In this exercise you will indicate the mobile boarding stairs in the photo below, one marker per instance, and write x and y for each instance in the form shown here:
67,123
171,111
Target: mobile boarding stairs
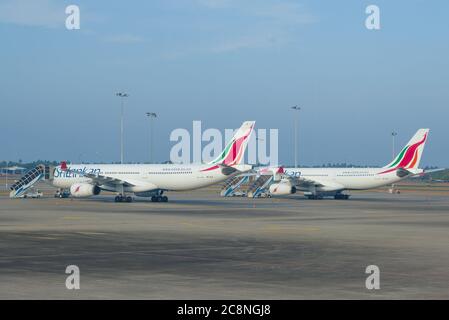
30,178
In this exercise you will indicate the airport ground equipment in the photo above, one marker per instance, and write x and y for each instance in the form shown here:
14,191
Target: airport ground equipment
232,185
30,178
260,186
62,193
35,194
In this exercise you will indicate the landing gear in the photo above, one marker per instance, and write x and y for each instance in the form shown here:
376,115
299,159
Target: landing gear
159,199
393,190
122,198
320,196
158,196
341,196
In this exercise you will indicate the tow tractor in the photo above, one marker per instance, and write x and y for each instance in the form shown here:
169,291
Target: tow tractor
32,194
62,193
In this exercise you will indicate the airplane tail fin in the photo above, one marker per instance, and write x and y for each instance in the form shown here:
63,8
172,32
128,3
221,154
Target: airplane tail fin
234,152
410,155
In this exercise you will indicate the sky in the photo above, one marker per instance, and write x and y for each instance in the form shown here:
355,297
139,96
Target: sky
223,62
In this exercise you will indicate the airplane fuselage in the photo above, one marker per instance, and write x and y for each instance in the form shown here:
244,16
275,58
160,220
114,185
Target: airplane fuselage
144,177
339,179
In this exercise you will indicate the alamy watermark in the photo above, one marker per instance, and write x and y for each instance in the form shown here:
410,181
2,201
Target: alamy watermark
205,146
373,280
73,20
72,282
372,22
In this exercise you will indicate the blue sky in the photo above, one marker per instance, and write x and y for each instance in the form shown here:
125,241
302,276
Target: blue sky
222,62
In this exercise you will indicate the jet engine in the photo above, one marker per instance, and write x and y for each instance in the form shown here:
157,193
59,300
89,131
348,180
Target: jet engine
282,188
80,190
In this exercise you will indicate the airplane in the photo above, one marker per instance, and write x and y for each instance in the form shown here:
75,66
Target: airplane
317,183
152,180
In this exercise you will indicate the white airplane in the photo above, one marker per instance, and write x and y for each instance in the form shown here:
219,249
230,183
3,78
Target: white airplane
317,183
152,180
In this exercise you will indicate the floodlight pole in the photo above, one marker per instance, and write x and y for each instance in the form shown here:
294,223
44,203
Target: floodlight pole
393,138
151,116
296,108
121,95
393,135
6,175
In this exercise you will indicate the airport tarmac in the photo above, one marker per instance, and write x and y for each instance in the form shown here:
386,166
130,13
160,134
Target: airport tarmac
202,246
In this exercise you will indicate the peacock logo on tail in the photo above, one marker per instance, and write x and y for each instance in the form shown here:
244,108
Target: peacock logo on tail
234,151
410,156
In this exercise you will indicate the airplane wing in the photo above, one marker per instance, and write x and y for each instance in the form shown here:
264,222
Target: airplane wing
425,172
312,184
228,170
252,173
305,183
280,174
98,178
433,170
101,180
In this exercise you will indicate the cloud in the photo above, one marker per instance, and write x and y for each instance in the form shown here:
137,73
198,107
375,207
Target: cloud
43,13
222,46
215,3
261,24
124,38
249,42
285,11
